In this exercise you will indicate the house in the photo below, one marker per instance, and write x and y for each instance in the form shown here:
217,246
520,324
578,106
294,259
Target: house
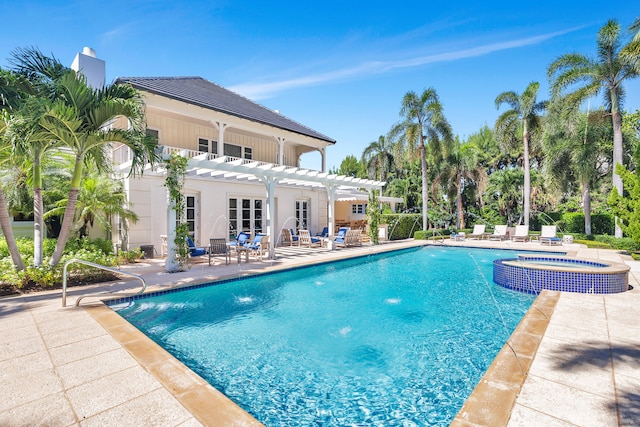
244,166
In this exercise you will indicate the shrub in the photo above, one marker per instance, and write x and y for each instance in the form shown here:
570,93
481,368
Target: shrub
402,226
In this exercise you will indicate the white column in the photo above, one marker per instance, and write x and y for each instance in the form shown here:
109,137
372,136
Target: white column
280,150
331,193
270,184
221,128
323,152
171,263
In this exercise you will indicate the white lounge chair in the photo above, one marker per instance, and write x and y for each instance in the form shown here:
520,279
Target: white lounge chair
307,240
548,235
521,234
499,233
478,232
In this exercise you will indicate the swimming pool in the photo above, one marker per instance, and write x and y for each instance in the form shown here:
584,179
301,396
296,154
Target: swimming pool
398,338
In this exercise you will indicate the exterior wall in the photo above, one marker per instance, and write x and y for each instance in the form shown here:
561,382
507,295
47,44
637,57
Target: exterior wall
149,199
177,131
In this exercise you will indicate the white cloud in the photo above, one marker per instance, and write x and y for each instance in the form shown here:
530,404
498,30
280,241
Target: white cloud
268,89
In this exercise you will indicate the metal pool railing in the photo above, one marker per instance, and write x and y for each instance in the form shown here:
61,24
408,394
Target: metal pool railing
102,267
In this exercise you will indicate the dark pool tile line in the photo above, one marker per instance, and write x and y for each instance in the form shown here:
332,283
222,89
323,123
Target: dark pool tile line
562,260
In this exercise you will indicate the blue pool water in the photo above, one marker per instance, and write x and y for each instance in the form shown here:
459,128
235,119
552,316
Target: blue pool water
394,339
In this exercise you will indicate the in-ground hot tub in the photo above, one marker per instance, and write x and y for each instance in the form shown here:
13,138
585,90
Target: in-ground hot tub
533,273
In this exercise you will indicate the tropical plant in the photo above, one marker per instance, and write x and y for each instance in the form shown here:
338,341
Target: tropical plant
504,193
520,121
373,216
575,77
462,170
176,166
626,207
424,125
80,120
377,158
574,144
100,199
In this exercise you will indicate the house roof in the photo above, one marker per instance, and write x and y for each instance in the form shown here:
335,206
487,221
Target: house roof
206,94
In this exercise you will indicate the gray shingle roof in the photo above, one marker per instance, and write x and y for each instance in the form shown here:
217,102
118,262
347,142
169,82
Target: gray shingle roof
201,92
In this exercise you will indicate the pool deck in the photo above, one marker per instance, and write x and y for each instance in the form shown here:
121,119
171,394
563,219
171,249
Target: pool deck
86,366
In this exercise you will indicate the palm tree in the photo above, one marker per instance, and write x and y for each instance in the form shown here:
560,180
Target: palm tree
631,52
524,116
424,125
605,73
5,221
100,199
80,120
503,192
378,158
29,88
461,170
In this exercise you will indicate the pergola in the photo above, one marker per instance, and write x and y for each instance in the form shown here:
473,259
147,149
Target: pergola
271,175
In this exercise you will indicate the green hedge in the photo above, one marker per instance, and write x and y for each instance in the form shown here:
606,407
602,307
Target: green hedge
573,222
402,226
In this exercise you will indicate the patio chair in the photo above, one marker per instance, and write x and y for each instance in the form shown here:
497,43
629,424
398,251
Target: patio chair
478,232
307,240
499,233
241,240
258,246
325,233
193,250
548,235
341,236
285,237
459,236
218,246
521,234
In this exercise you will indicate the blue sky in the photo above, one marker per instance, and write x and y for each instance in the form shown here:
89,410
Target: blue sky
338,67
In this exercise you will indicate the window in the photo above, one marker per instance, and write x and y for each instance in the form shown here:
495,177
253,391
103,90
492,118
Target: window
207,145
248,153
302,214
245,215
232,150
20,217
359,209
203,145
153,133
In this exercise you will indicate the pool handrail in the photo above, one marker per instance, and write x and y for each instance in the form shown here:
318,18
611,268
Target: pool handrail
102,267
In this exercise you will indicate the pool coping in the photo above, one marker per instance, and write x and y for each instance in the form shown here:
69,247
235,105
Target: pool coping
490,403
494,397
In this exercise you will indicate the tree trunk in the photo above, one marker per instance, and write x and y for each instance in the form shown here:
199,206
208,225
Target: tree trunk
38,212
5,223
460,212
527,176
616,118
69,212
425,193
586,206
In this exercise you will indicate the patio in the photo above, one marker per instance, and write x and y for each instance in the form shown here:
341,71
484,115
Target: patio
82,366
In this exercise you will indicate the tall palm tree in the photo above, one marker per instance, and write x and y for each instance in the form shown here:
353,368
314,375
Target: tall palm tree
605,73
523,115
378,158
80,120
30,88
424,125
631,52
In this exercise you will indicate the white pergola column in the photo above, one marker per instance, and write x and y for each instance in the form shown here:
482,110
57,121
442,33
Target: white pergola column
270,184
331,193
280,141
171,263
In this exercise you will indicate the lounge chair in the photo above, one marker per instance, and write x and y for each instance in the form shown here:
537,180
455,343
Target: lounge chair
478,232
499,233
241,240
218,246
193,250
307,240
325,233
459,236
521,234
548,235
